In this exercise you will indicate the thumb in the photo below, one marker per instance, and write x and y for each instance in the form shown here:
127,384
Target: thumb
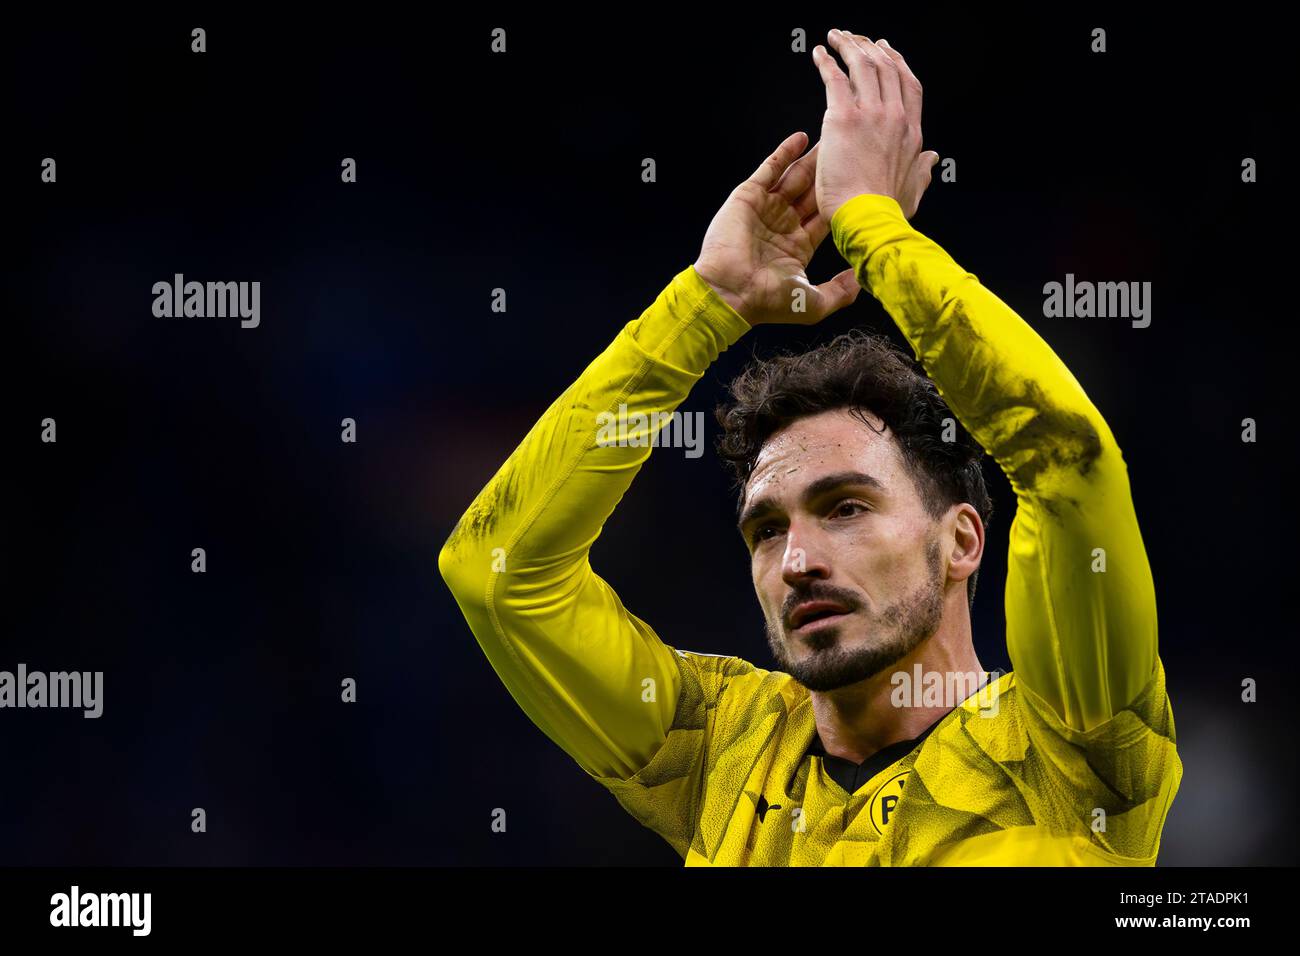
924,164
834,294
921,178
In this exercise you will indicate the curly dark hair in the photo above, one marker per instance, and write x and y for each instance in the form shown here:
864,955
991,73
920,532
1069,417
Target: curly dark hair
858,370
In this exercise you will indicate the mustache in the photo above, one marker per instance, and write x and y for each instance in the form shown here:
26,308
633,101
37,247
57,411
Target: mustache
818,591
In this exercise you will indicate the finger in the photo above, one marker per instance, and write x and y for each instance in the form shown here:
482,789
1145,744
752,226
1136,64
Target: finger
839,92
816,227
891,90
771,168
862,66
922,172
923,166
800,177
834,294
805,207
909,84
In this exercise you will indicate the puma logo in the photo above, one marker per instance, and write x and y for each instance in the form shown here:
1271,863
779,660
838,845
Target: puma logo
764,806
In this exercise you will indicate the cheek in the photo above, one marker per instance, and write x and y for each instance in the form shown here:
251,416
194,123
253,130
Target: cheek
769,585
881,556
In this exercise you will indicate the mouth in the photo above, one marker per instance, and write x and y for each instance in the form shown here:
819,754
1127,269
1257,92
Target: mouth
814,615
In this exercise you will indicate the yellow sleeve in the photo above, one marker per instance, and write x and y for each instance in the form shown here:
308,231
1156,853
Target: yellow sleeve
1082,641
572,656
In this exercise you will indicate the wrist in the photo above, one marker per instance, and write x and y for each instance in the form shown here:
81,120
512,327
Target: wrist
732,298
862,192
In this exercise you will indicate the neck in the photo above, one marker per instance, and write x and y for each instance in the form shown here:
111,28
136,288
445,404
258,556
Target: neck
856,721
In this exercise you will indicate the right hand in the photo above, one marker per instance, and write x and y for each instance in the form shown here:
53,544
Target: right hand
759,244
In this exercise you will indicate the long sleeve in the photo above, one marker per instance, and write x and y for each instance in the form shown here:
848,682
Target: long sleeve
576,661
1083,641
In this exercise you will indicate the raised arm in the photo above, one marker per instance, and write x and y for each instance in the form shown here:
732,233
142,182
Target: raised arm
1082,640
517,562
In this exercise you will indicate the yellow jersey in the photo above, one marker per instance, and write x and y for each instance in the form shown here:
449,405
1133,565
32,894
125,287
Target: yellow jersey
1070,759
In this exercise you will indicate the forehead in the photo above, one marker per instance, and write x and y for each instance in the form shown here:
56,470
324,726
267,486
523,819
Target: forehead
823,444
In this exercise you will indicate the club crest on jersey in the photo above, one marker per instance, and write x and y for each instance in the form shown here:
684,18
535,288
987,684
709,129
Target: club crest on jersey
884,802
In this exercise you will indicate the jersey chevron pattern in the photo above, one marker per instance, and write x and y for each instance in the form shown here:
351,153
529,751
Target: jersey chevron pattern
1068,760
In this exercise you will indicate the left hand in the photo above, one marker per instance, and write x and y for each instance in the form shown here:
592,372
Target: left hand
871,132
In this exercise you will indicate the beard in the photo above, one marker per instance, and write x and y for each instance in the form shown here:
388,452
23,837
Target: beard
902,628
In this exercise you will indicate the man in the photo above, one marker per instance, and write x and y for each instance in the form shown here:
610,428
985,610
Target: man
864,511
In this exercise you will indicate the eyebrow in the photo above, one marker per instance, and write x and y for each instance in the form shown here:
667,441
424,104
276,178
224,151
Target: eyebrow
765,506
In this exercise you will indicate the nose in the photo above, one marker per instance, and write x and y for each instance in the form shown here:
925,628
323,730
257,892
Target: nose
804,557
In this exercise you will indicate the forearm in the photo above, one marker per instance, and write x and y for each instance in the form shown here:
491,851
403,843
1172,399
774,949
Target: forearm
1002,381
546,505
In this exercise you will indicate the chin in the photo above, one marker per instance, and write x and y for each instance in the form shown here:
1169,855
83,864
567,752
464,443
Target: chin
833,660
828,637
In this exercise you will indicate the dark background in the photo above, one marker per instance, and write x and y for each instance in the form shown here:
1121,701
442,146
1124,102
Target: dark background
522,171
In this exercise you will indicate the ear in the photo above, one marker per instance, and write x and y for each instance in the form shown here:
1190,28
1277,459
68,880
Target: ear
967,548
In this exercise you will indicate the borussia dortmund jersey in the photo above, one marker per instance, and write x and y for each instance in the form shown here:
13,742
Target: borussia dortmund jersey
1068,760
741,780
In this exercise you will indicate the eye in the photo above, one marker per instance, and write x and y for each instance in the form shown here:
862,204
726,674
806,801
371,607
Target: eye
848,508
761,534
